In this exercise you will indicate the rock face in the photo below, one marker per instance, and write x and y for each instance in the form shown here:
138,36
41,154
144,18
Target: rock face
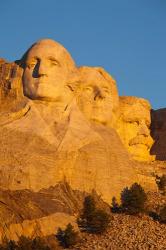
10,86
97,95
134,127
12,100
57,125
35,214
32,214
85,155
159,134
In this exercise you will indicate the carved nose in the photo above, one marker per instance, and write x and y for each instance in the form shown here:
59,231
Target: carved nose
41,69
143,129
98,94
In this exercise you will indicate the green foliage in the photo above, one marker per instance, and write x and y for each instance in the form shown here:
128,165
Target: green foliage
35,244
99,221
161,183
92,219
115,208
25,244
133,199
67,237
88,207
11,245
162,215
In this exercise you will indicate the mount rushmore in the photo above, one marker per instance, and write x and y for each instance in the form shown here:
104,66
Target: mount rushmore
60,123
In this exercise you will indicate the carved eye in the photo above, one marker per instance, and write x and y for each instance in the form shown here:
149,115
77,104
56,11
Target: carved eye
88,89
54,62
134,122
106,91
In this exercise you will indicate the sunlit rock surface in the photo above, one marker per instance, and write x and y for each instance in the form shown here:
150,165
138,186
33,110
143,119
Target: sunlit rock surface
59,124
133,127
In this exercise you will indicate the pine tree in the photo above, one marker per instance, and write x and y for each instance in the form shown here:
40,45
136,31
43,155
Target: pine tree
67,237
133,199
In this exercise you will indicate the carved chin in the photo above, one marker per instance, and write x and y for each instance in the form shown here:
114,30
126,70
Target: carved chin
100,115
99,118
141,153
46,94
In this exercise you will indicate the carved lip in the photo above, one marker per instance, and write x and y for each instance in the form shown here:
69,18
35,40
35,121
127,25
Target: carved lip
98,107
140,144
139,141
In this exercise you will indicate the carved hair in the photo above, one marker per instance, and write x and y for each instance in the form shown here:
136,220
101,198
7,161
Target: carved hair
69,62
132,100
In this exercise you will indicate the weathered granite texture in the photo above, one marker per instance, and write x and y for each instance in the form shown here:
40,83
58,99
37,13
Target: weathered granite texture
97,95
32,214
11,91
58,123
133,127
158,131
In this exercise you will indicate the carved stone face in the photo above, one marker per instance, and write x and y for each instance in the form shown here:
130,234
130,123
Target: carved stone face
96,93
134,127
47,68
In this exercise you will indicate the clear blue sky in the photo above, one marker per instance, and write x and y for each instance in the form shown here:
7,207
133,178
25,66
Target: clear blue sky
126,37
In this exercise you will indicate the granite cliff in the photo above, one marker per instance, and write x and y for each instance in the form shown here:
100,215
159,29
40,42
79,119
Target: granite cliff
62,130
